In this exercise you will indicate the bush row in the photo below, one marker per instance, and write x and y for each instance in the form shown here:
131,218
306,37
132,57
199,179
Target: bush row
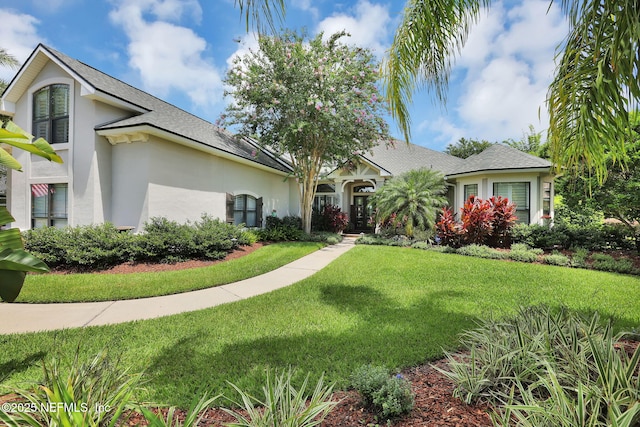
593,237
579,258
102,246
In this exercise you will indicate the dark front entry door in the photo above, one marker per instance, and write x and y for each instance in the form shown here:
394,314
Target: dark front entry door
361,213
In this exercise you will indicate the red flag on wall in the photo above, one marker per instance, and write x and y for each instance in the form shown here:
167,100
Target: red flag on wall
40,190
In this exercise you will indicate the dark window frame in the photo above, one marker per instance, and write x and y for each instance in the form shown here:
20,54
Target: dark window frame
49,215
519,210
232,210
51,121
469,186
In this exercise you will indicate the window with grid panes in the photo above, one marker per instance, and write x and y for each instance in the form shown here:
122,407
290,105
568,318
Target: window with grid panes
51,113
518,194
49,204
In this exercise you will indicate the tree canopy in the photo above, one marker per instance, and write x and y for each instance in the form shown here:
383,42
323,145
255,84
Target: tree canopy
314,100
467,147
596,82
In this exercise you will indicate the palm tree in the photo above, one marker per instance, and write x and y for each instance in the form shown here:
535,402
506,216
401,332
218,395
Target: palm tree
262,14
415,196
7,60
596,82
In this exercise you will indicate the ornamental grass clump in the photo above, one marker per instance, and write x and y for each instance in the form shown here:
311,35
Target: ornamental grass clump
94,393
283,405
549,368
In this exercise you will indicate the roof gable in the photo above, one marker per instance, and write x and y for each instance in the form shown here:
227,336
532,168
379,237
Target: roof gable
146,111
402,157
500,157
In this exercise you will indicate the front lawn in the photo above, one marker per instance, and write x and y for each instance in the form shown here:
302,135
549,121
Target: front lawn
382,305
109,287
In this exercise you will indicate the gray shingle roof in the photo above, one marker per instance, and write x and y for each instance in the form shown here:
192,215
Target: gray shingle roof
403,157
164,116
500,157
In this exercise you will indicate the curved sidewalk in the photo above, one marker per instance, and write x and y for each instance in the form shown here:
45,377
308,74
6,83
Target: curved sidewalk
19,318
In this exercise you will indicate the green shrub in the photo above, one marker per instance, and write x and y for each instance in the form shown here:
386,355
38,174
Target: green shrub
423,245
50,244
82,248
481,251
277,229
556,259
163,240
522,253
579,258
373,240
390,396
605,262
592,236
95,247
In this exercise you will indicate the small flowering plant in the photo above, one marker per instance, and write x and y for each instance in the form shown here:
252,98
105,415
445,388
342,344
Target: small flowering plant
334,219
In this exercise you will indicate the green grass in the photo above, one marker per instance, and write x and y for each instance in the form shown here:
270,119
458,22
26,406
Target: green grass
386,306
107,287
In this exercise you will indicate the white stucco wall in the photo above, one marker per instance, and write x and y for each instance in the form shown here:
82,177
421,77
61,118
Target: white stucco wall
128,183
157,178
485,189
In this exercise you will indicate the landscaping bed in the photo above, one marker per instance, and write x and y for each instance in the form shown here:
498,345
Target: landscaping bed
147,267
434,406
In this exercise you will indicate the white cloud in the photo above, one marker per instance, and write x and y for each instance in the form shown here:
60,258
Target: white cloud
307,6
504,71
169,57
19,36
368,26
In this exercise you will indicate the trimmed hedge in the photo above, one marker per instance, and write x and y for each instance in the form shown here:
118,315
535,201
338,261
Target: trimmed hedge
96,247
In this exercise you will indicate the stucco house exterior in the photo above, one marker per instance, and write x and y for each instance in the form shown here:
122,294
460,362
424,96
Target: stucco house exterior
129,156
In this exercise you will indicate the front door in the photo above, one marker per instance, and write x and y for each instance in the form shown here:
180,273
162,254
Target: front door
361,213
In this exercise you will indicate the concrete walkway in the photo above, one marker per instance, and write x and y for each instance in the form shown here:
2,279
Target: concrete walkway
19,318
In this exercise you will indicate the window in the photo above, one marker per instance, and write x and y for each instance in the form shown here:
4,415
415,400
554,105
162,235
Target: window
320,201
49,205
546,200
51,113
470,190
518,194
364,189
247,210
3,185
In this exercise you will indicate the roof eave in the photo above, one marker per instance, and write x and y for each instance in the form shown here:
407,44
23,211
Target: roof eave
541,169
126,134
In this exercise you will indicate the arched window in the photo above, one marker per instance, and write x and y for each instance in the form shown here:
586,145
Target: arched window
51,113
247,210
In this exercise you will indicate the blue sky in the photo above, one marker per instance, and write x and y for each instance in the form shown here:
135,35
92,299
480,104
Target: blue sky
179,50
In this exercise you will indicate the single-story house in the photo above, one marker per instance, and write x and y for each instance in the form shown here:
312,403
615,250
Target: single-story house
129,157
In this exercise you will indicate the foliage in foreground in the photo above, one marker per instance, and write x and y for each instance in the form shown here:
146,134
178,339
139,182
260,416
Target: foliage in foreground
93,393
283,404
549,369
100,393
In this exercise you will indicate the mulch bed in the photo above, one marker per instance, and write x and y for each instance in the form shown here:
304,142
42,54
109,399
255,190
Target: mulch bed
434,406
